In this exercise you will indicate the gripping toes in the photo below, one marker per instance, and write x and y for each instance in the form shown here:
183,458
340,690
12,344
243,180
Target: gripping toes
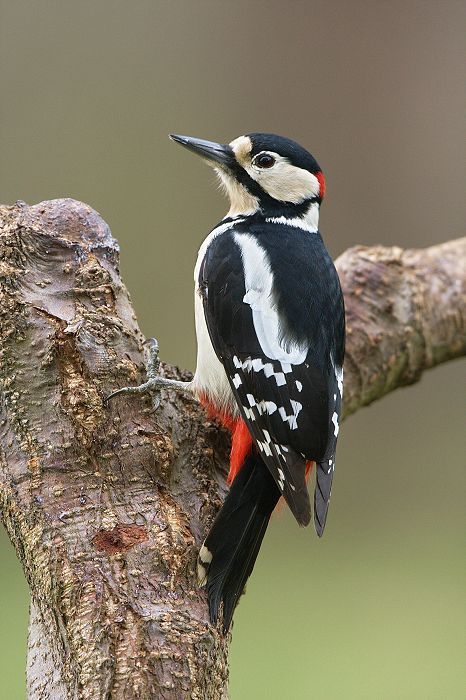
154,382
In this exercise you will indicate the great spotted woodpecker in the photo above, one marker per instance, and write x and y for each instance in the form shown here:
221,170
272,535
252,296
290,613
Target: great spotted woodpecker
270,327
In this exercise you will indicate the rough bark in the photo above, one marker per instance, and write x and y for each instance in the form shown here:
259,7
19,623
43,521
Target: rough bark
107,505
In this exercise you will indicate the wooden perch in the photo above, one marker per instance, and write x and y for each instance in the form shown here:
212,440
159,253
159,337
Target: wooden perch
107,505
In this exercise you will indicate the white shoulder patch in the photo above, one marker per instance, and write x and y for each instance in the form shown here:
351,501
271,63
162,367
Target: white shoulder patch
260,296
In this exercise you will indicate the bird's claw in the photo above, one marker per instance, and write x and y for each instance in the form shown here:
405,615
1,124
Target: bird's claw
152,385
154,381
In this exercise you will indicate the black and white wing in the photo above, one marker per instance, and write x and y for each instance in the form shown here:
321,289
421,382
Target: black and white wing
274,311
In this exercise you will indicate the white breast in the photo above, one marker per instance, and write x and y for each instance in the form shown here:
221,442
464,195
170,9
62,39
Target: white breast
210,378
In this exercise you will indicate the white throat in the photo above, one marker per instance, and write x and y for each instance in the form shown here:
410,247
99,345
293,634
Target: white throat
242,202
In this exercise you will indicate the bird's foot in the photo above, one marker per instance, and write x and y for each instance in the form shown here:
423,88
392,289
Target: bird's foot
154,382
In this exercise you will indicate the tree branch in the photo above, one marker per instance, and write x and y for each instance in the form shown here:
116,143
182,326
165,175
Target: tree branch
405,313
106,506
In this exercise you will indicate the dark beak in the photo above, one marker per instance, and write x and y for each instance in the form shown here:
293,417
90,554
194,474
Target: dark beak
214,153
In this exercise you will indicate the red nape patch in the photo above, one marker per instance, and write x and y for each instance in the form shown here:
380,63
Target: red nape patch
321,178
241,446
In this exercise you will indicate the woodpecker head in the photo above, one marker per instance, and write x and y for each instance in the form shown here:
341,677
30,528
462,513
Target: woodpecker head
264,173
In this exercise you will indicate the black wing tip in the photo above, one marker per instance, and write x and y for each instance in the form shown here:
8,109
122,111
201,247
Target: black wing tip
322,493
319,526
303,519
299,503
320,512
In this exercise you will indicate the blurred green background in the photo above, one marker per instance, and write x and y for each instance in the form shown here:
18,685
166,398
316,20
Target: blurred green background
88,93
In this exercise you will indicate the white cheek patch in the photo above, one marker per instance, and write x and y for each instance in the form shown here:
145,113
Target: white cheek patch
284,181
259,285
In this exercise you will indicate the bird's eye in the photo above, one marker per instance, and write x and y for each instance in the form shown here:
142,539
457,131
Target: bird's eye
264,160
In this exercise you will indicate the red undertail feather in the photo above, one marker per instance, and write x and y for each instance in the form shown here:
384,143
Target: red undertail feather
225,418
309,465
241,446
241,443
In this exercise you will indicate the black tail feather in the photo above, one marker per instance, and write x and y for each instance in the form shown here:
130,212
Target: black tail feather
229,552
234,586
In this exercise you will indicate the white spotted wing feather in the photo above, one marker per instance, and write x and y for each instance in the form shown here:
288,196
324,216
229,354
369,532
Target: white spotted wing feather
274,312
